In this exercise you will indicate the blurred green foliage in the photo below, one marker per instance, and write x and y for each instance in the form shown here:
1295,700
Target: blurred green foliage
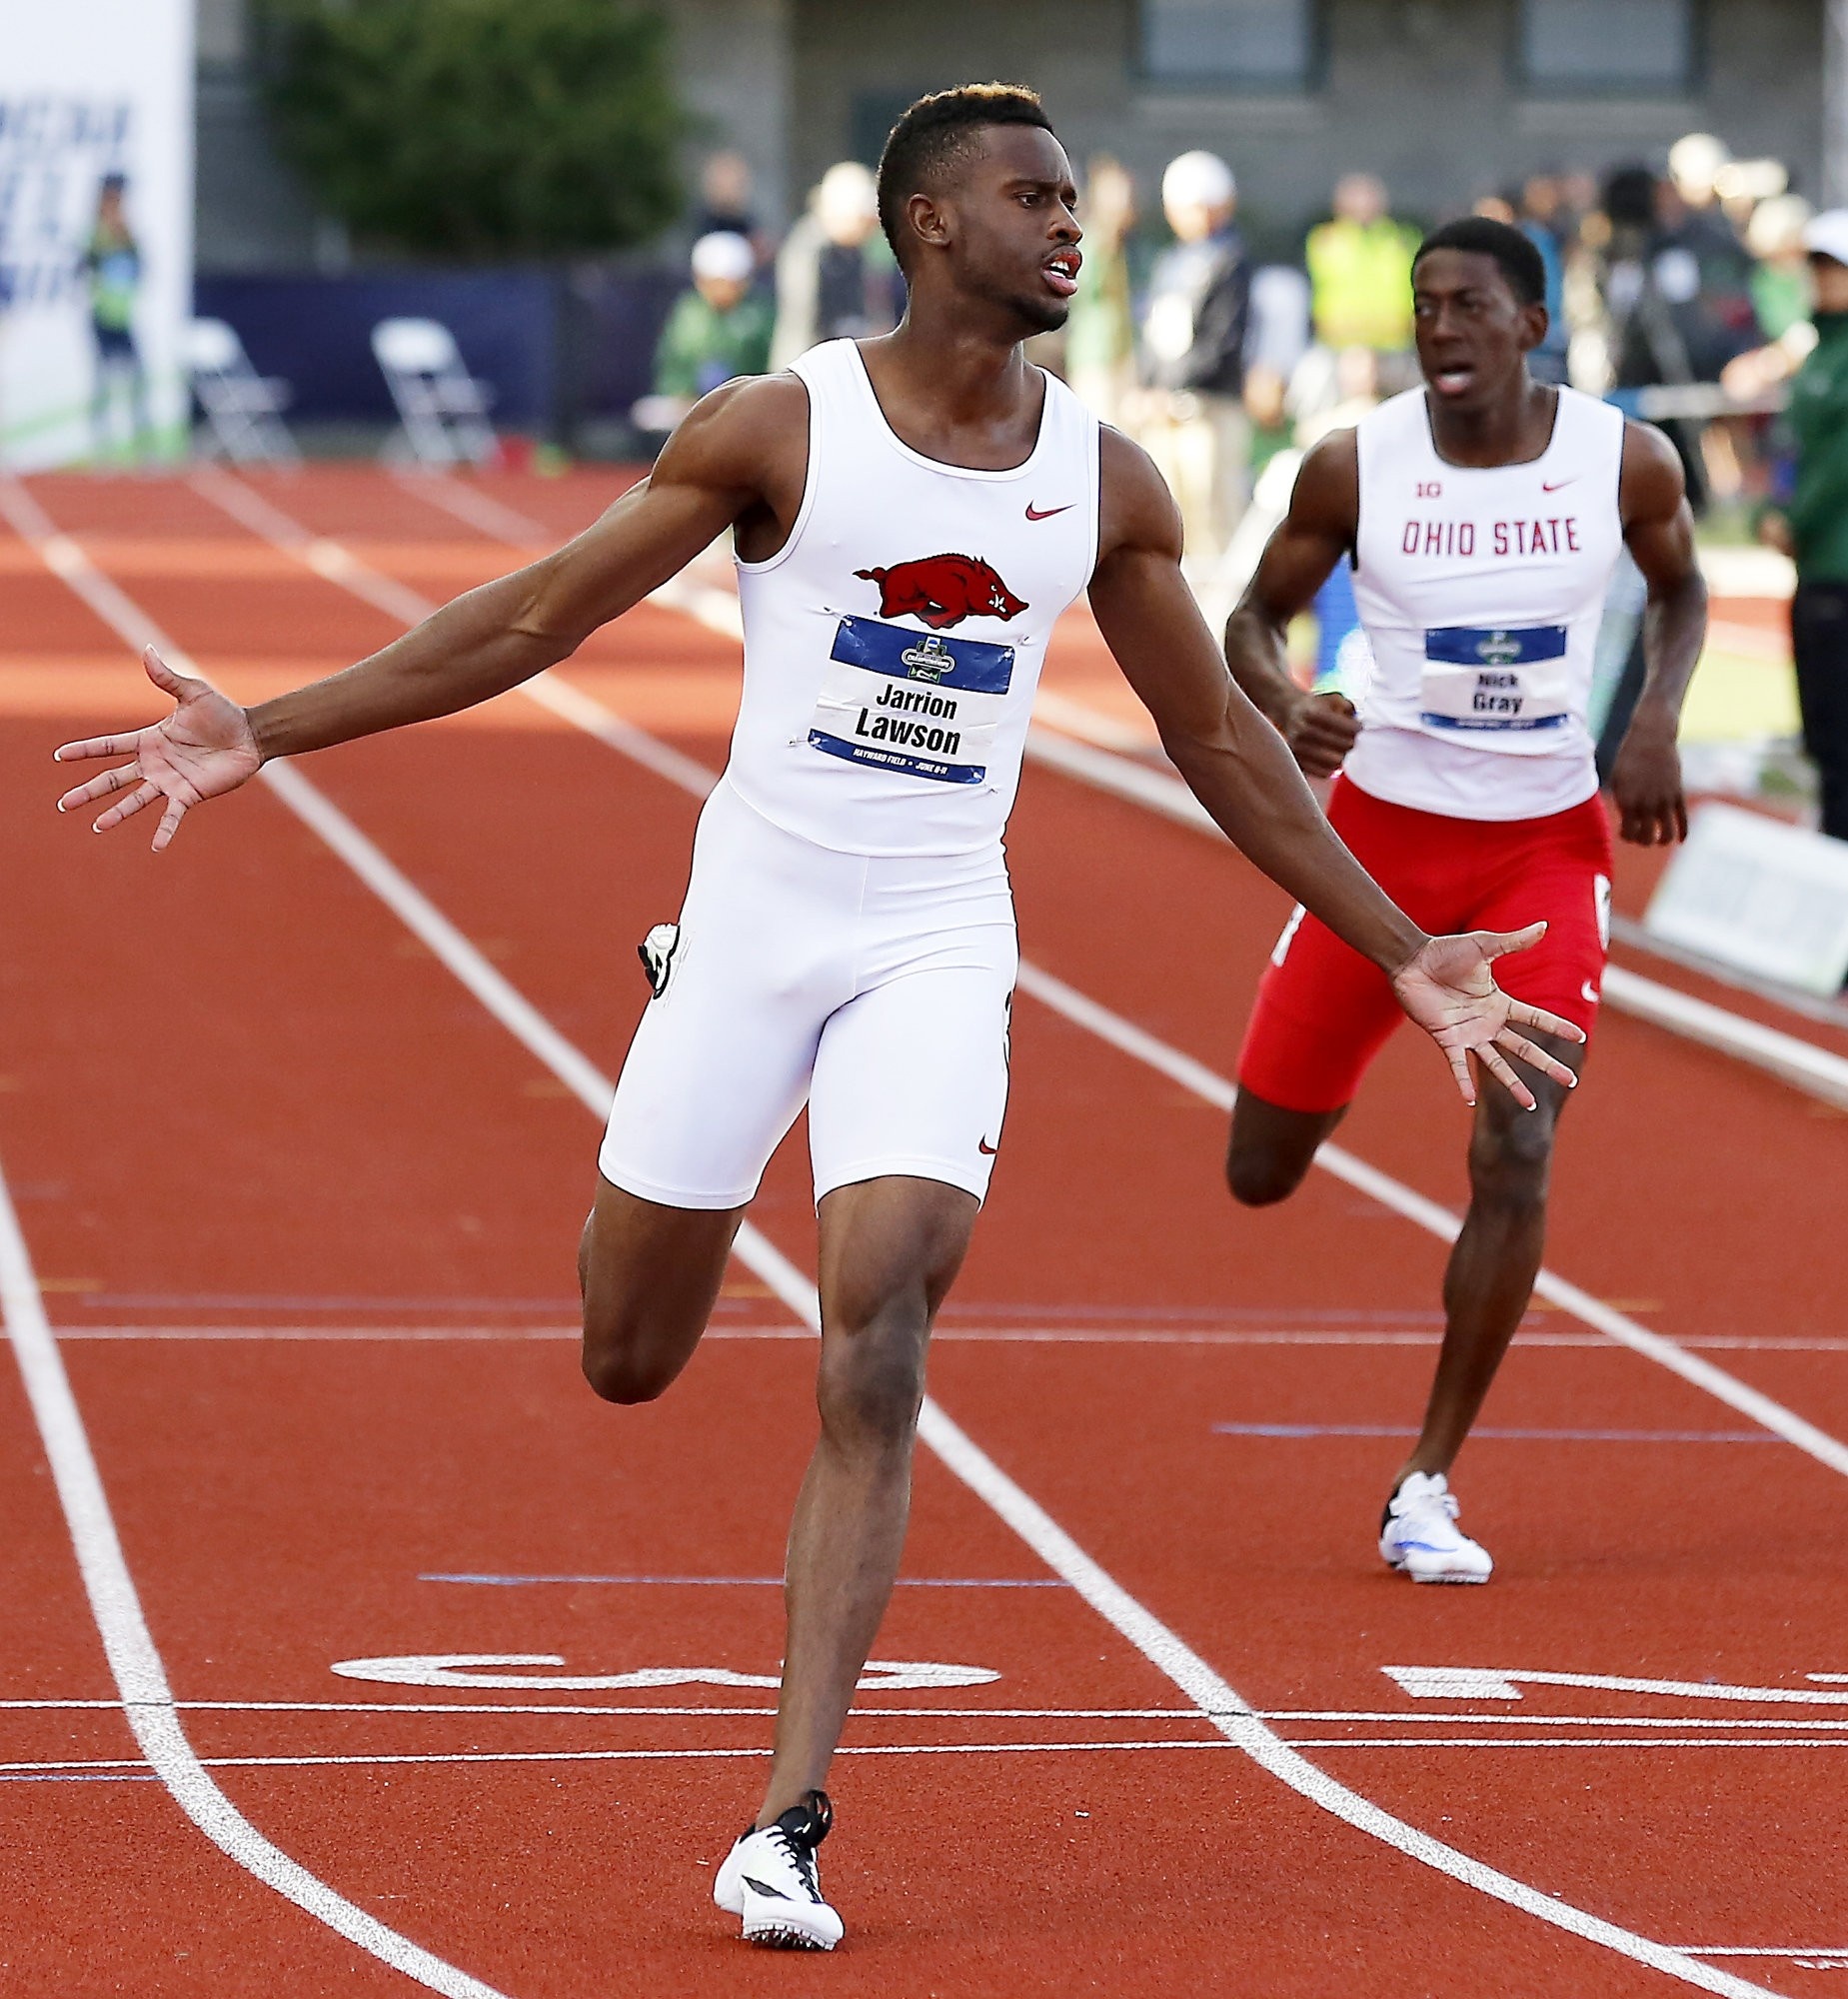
478,128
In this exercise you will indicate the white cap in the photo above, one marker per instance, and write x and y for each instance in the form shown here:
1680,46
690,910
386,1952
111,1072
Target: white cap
1777,224
1694,160
847,195
723,254
1198,180
1826,235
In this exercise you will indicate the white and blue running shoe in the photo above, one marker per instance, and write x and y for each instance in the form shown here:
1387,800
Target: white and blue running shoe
1419,1537
771,1879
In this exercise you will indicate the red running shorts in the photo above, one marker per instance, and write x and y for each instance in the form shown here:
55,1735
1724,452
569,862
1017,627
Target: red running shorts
1323,1012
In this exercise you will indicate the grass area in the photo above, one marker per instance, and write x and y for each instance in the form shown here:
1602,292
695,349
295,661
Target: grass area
1738,698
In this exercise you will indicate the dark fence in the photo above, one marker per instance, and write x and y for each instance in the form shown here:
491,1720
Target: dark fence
559,345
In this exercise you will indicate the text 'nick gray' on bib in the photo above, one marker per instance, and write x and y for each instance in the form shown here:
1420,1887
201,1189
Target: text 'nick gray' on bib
919,703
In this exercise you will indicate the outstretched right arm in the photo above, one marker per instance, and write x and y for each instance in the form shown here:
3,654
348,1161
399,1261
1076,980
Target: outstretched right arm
1314,535
737,455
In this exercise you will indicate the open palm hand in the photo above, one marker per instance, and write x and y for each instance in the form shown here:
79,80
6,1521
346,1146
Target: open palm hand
204,748
1449,991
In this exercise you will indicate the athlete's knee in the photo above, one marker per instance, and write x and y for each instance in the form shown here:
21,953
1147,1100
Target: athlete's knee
1510,1160
1261,1175
624,1371
871,1383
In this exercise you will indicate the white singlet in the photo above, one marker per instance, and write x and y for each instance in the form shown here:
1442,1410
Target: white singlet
1481,590
847,934
893,644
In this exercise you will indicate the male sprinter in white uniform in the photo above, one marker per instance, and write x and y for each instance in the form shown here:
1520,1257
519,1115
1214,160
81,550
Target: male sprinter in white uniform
1483,513
911,514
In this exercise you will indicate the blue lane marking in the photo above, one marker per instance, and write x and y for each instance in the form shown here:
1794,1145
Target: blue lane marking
758,1581
1534,1437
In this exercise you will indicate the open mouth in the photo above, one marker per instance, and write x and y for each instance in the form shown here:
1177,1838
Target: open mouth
1452,381
1062,272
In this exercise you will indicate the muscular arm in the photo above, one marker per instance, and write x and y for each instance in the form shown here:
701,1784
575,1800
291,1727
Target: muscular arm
1235,764
1315,535
730,456
1646,776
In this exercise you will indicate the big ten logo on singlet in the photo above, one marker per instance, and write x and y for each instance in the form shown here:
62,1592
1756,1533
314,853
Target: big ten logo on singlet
1484,678
919,703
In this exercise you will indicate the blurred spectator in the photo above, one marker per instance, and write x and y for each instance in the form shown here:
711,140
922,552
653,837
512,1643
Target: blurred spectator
1193,339
724,195
112,266
1812,527
717,329
1100,331
1780,278
835,275
1642,291
1541,220
1360,271
1276,342
1701,269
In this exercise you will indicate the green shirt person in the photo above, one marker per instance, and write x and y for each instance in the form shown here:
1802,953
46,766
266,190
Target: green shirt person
717,329
1360,271
1812,526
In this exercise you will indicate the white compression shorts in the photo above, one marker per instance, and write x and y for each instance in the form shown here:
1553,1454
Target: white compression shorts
876,987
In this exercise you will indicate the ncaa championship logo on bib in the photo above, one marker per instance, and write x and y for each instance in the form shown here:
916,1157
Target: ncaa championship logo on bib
927,705
1482,678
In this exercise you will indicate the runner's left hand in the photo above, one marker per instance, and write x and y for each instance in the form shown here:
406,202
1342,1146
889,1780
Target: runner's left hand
1645,782
1448,989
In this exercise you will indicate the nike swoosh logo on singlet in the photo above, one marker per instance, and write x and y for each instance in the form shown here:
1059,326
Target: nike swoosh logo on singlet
982,1146
1553,484
1038,514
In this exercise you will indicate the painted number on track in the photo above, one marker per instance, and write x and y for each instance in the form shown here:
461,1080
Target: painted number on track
496,1670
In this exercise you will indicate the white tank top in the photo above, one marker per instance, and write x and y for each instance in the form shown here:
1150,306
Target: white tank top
893,644
1481,590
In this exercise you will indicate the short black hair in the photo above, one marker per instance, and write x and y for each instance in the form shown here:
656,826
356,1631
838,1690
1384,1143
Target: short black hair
934,131
1520,261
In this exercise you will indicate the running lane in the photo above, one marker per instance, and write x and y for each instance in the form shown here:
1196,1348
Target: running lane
1115,1160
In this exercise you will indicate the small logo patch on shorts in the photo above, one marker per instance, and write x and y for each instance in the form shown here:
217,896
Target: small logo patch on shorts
657,952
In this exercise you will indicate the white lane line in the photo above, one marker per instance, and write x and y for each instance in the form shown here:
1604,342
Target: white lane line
74,1767
472,1711
136,1664
997,1335
1162,1647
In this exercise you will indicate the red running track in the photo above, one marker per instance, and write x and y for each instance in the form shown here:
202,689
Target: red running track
304,1214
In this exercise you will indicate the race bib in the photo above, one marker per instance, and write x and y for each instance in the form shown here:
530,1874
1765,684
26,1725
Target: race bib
919,702
1495,679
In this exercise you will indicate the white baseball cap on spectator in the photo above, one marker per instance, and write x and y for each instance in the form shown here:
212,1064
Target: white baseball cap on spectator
1694,163
723,254
1826,235
1198,180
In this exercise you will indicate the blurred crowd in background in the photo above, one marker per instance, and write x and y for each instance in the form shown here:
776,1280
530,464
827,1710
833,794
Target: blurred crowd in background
1692,273
1695,293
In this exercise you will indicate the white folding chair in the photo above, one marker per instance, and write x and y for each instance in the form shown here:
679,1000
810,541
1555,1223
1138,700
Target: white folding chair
442,407
242,409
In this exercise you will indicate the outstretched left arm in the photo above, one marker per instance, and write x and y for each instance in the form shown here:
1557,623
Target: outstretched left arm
1238,767
1645,779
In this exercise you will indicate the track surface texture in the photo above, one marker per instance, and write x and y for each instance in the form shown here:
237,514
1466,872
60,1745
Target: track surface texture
301,1213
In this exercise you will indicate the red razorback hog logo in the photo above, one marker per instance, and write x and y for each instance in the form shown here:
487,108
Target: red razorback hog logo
943,590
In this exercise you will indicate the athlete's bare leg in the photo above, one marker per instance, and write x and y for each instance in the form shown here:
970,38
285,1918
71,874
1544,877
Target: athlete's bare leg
650,1276
1489,1277
890,1250
1271,1149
